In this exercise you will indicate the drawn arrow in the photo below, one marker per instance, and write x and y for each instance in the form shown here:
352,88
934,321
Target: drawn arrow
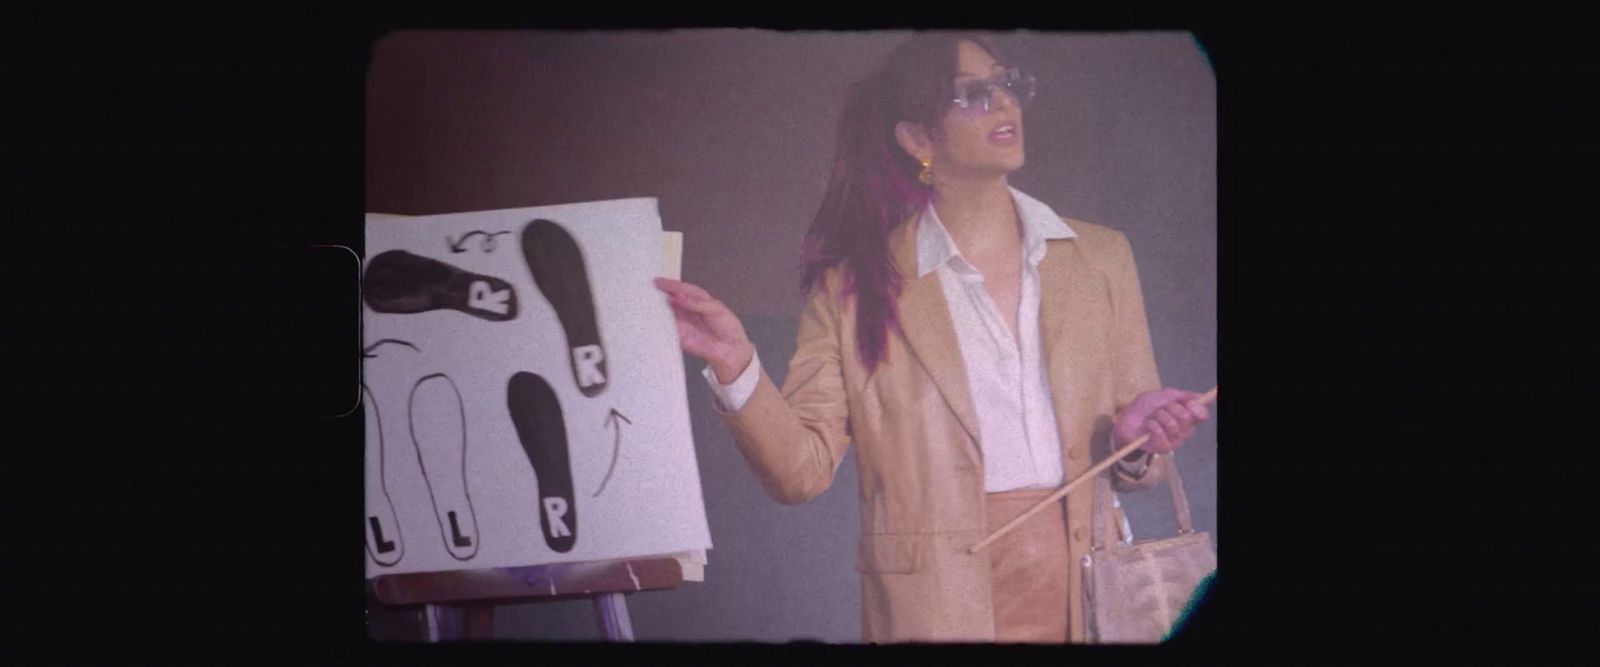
367,353
616,447
488,240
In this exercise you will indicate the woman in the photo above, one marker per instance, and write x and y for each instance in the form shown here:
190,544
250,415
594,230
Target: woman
973,344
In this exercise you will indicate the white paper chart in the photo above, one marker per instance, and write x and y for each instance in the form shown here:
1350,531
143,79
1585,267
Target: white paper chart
524,391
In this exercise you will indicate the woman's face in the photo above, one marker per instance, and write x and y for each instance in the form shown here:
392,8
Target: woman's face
973,143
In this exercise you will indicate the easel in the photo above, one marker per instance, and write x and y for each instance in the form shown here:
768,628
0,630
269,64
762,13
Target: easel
475,593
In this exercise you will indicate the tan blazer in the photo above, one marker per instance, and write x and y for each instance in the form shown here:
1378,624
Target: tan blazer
921,468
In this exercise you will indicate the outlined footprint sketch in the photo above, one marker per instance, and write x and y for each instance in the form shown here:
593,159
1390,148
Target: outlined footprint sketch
400,282
384,540
536,414
560,273
384,543
439,431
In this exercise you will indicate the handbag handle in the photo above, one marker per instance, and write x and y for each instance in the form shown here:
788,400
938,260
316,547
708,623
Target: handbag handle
1180,502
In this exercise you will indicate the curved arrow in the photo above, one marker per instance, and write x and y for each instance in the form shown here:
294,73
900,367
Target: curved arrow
616,447
367,353
488,240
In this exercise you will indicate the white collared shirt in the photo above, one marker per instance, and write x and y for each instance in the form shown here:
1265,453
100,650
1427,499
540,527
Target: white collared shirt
1006,377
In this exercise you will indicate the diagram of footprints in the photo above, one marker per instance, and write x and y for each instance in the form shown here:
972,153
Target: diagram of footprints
404,283
438,430
400,282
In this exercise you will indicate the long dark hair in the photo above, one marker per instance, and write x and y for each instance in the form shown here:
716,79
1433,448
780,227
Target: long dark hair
873,186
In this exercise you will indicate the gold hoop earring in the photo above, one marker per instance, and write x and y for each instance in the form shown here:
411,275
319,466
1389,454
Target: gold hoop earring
926,177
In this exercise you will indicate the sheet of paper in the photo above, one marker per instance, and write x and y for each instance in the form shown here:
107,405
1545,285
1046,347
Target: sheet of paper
524,391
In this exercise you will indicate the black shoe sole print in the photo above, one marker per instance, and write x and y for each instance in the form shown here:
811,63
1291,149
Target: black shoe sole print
383,529
400,282
439,430
561,275
536,413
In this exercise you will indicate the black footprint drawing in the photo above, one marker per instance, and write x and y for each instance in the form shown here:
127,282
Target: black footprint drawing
383,529
536,413
439,430
400,282
560,274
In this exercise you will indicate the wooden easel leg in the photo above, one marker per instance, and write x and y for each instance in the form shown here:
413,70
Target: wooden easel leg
480,621
387,623
443,625
612,611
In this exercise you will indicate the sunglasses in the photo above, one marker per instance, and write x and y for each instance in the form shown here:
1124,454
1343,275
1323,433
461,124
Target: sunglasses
975,98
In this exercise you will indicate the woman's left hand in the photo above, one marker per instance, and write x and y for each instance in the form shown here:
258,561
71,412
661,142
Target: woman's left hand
1169,415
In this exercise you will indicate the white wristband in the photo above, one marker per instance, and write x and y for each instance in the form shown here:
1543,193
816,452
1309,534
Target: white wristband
731,397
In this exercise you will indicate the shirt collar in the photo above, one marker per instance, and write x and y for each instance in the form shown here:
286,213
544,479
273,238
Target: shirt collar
1039,223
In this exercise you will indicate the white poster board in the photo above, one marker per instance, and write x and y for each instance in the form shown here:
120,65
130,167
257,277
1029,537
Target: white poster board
524,391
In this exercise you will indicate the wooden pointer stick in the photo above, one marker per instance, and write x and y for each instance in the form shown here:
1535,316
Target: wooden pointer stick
1203,399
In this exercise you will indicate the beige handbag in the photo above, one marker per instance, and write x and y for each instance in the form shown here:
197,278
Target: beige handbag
1133,593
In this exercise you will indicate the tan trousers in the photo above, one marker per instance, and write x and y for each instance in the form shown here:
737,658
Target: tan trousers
1029,566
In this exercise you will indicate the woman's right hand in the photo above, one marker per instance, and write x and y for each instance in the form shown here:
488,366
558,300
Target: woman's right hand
708,330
